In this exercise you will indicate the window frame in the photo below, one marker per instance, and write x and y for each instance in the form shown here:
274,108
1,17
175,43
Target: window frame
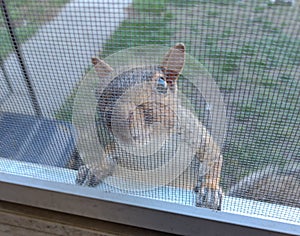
131,210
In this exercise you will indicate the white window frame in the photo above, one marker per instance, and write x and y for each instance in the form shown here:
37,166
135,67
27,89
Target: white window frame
50,193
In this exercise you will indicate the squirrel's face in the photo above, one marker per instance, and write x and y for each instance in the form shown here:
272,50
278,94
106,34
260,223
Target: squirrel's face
140,104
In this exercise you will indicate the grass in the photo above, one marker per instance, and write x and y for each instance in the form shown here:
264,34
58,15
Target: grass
151,31
151,6
66,110
253,57
26,16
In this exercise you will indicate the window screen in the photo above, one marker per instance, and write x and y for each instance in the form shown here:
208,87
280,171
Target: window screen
192,102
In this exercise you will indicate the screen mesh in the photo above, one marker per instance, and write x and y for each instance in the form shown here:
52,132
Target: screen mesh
193,102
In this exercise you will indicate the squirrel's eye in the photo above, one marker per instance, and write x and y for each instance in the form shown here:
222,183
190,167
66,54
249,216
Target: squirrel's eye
162,86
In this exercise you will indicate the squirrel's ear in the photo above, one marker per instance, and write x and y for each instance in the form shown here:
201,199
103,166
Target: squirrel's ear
101,67
174,61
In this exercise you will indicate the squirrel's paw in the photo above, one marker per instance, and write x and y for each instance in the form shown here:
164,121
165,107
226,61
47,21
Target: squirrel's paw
92,175
209,198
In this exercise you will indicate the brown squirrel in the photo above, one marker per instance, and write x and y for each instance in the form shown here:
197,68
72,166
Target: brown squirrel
142,121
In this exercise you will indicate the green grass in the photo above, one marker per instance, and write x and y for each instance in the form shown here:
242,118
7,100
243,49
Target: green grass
65,111
26,16
149,31
151,6
221,2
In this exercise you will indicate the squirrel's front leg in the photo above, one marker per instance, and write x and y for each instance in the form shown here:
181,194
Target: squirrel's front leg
209,192
94,173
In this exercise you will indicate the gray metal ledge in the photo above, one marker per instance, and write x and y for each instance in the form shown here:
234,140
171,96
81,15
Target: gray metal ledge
53,188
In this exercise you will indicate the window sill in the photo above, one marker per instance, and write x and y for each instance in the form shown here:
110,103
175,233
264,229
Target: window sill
53,188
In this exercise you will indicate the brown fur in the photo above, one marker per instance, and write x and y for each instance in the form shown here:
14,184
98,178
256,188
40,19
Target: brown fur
134,110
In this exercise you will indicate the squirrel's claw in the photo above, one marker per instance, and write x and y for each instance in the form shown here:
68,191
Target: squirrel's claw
92,175
87,176
209,198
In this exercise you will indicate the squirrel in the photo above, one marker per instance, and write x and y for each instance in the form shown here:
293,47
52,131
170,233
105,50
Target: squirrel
156,87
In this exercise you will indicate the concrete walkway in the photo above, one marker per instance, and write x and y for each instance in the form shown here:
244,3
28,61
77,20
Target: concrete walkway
59,54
